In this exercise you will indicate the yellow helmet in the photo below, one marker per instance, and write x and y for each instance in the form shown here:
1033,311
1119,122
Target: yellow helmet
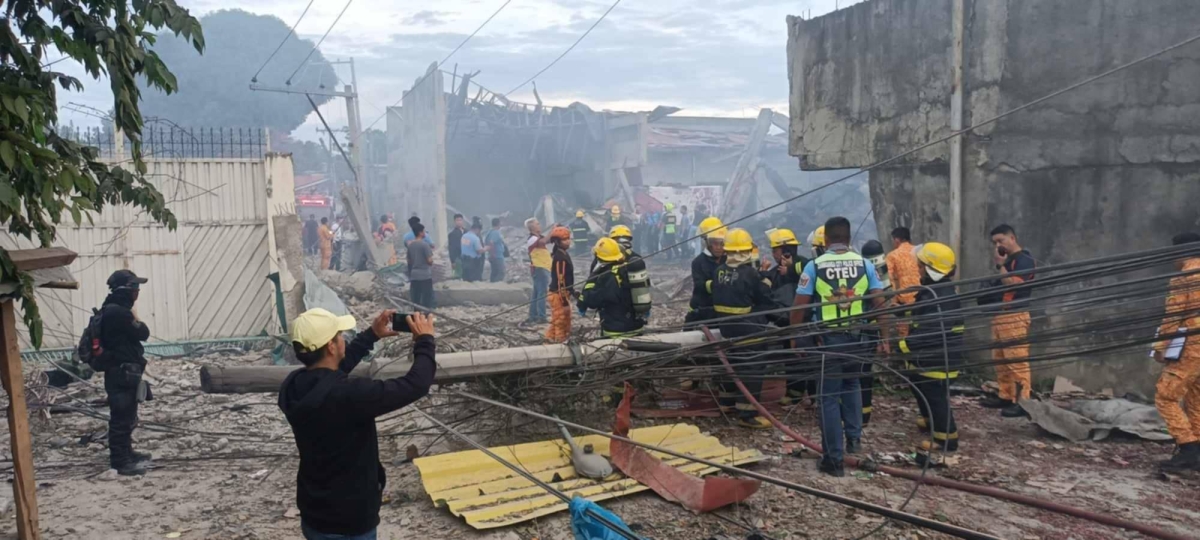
782,237
608,250
738,240
938,259
616,210
670,206
579,213
818,237
620,231
712,226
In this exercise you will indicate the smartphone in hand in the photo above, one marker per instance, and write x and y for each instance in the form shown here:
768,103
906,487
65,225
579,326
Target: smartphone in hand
400,322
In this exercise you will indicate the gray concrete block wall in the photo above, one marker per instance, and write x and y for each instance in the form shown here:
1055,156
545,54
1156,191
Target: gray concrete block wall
1109,168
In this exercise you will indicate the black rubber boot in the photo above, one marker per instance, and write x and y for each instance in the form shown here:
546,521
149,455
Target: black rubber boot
831,468
853,446
994,402
1187,457
1013,411
142,456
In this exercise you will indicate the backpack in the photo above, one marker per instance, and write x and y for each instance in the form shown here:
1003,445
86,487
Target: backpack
90,350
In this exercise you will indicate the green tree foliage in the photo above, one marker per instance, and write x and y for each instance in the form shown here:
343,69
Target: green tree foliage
215,90
44,175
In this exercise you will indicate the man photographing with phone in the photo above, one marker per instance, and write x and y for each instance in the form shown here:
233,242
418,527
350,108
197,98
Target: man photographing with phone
339,487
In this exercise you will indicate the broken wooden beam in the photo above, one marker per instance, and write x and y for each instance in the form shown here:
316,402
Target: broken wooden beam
37,259
24,484
452,367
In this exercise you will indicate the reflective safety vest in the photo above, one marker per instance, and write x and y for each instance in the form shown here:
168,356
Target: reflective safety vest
841,284
669,222
579,230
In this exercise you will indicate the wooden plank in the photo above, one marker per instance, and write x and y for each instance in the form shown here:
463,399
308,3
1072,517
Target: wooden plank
37,259
24,484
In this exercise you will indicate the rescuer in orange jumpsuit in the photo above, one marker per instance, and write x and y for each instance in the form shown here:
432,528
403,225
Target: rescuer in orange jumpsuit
1010,327
903,272
562,284
325,236
1180,378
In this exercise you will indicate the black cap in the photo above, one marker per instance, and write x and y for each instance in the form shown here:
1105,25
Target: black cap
872,249
125,279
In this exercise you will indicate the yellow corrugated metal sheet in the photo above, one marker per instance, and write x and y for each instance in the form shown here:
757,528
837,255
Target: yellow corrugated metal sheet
487,494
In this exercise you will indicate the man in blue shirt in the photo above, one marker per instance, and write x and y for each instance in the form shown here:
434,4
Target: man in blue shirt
410,235
838,280
496,251
472,253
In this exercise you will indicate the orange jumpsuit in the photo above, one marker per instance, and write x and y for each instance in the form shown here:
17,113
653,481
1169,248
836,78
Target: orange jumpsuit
902,268
1180,380
386,232
562,281
326,238
1012,327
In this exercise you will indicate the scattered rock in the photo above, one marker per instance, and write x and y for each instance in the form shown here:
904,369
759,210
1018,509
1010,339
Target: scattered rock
110,474
59,442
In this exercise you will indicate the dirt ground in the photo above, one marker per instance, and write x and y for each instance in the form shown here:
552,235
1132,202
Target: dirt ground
225,467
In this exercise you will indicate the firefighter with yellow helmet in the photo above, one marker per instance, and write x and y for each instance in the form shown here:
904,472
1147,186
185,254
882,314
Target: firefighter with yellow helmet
785,276
581,233
704,268
740,295
933,348
605,293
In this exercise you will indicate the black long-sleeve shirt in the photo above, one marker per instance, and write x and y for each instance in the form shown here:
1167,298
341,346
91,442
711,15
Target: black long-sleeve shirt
339,486
704,269
604,293
121,333
454,243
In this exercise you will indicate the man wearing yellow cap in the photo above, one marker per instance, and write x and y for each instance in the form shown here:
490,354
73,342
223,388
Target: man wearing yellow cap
340,482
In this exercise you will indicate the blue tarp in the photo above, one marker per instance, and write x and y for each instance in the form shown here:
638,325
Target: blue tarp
588,528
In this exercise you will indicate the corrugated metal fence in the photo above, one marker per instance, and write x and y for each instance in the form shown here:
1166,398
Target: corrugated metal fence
208,278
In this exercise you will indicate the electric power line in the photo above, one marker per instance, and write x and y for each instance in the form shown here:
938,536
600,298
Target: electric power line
291,31
317,45
569,49
440,64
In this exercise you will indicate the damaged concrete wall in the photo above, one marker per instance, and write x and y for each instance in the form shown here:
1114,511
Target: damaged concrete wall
417,155
1113,166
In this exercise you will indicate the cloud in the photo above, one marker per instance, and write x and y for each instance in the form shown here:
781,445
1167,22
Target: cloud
427,18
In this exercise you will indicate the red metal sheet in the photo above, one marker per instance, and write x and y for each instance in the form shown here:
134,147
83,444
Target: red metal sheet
696,494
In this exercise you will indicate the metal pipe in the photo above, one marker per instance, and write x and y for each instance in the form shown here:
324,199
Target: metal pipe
1026,500
913,519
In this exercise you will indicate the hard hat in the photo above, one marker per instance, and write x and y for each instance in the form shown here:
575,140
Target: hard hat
872,249
670,207
818,237
620,231
616,210
938,259
710,224
560,233
316,327
608,250
738,240
782,237
579,213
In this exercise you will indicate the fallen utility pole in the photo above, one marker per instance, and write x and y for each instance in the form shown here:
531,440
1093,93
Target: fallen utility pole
451,367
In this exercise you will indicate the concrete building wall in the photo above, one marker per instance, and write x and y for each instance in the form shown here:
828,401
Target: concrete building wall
1113,166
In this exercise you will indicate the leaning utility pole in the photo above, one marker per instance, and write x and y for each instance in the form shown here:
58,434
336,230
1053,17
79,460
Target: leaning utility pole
353,197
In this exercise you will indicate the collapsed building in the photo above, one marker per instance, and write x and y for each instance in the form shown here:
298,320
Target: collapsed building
456,147
1110,167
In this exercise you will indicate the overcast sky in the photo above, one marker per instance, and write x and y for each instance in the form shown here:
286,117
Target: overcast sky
710,57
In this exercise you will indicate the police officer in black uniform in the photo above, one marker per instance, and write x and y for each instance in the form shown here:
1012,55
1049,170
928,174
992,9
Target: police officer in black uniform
121,335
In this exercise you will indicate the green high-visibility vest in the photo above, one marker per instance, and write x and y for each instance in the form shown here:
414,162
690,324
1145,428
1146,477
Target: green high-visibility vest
841,280
669,224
